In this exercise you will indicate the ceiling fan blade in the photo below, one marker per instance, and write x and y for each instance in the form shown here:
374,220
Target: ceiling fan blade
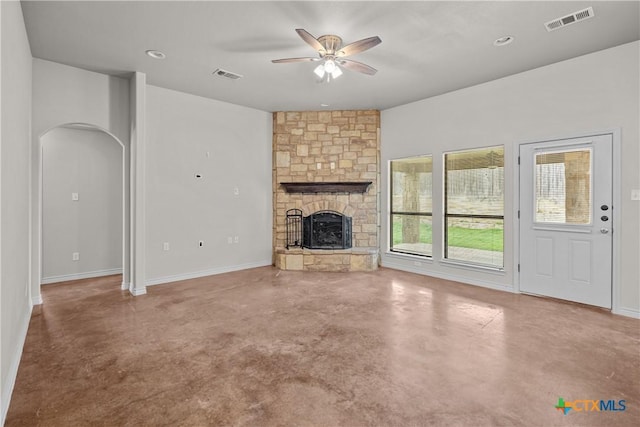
311,41
359,46
357,66
285,60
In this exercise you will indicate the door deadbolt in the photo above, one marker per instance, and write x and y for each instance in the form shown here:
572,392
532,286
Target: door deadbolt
604,207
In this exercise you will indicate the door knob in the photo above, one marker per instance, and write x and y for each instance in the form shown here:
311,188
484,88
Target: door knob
604,230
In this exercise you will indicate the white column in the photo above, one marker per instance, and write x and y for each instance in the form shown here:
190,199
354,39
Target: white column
137,285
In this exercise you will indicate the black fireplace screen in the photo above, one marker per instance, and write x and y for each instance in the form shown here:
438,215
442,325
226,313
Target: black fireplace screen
294,228
321,230
326,230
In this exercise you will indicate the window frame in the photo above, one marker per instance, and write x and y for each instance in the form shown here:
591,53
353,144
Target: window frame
406,213
446,215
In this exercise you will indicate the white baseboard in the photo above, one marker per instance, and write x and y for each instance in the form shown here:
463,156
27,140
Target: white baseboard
77,276
124,286
136,292
36,300
628,312
7,387
460,279
210,272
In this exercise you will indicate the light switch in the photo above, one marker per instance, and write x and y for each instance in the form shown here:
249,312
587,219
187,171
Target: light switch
635,194
75,197
319,165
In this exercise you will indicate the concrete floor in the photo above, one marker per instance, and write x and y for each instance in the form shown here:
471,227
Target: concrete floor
263,347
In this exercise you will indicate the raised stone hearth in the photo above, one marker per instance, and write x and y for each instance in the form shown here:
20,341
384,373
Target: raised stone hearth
354,259
327,161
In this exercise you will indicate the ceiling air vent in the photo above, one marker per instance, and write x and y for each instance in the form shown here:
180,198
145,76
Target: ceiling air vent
228,74
580,15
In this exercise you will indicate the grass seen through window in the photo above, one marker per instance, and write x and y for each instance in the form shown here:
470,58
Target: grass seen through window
489,239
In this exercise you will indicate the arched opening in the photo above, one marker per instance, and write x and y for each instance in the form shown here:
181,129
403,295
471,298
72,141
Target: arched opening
84,221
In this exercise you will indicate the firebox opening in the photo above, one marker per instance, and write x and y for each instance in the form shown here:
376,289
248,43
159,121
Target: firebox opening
326,230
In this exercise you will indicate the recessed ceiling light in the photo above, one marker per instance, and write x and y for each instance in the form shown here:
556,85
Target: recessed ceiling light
155,54
324,105
503,41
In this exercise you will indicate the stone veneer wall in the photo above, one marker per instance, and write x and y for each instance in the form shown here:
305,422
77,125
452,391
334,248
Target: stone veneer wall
345,144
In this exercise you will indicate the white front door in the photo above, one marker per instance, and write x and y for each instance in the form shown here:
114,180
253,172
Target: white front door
566,219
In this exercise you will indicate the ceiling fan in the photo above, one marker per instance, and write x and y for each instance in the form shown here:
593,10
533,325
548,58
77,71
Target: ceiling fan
332,54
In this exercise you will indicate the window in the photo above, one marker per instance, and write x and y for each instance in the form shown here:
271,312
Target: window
411,206
563,187
474,206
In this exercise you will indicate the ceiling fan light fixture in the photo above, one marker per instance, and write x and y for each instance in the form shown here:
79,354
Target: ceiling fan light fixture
329,66
319,70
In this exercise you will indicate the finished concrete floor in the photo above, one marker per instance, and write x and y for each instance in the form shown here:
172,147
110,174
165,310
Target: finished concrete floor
264,347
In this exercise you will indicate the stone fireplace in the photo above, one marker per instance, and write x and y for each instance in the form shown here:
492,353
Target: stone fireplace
326,166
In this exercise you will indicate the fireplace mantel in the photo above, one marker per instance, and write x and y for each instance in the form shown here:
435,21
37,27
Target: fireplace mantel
326,187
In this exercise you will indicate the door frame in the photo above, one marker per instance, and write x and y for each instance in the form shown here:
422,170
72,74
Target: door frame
615,211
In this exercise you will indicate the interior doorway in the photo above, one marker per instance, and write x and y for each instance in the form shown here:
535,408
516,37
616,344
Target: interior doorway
566,219
83,204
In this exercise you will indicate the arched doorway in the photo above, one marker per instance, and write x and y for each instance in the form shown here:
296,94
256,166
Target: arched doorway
84,221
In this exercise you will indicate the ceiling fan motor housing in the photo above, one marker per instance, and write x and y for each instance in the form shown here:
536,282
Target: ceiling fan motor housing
331,43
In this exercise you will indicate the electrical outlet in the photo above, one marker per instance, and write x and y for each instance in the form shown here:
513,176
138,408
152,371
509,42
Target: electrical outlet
236,191
236,239
333,165
229,240
75,197
75,256
165,246
635,194
318,165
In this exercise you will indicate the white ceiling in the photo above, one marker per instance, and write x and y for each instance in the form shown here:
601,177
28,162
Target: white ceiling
428,47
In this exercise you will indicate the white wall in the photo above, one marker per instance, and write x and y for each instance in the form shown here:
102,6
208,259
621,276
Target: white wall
89,163
591,93
180,129
15,124
62,95
181,209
